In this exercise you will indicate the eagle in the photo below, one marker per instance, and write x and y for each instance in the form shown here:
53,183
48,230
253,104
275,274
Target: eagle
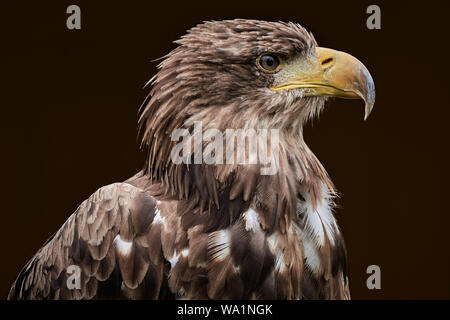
216,230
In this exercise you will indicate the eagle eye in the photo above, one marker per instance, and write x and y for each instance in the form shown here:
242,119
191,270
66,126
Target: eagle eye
268,62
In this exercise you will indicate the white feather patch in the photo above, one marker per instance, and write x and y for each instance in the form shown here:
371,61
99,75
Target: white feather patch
312,258
124,247
321,220
251,218
158,218
279,262
174,259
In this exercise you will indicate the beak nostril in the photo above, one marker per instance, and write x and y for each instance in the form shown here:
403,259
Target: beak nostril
327,61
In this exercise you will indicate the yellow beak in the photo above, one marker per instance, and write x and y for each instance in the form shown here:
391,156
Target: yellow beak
333,73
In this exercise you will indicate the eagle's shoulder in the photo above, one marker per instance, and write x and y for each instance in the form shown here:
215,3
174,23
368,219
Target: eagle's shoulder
108,240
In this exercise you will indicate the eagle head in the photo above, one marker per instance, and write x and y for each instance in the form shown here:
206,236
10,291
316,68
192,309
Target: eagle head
272,74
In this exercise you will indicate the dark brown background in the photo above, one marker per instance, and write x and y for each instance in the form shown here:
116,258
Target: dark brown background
70,98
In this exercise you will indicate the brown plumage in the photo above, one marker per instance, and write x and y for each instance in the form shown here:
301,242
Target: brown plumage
209,231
